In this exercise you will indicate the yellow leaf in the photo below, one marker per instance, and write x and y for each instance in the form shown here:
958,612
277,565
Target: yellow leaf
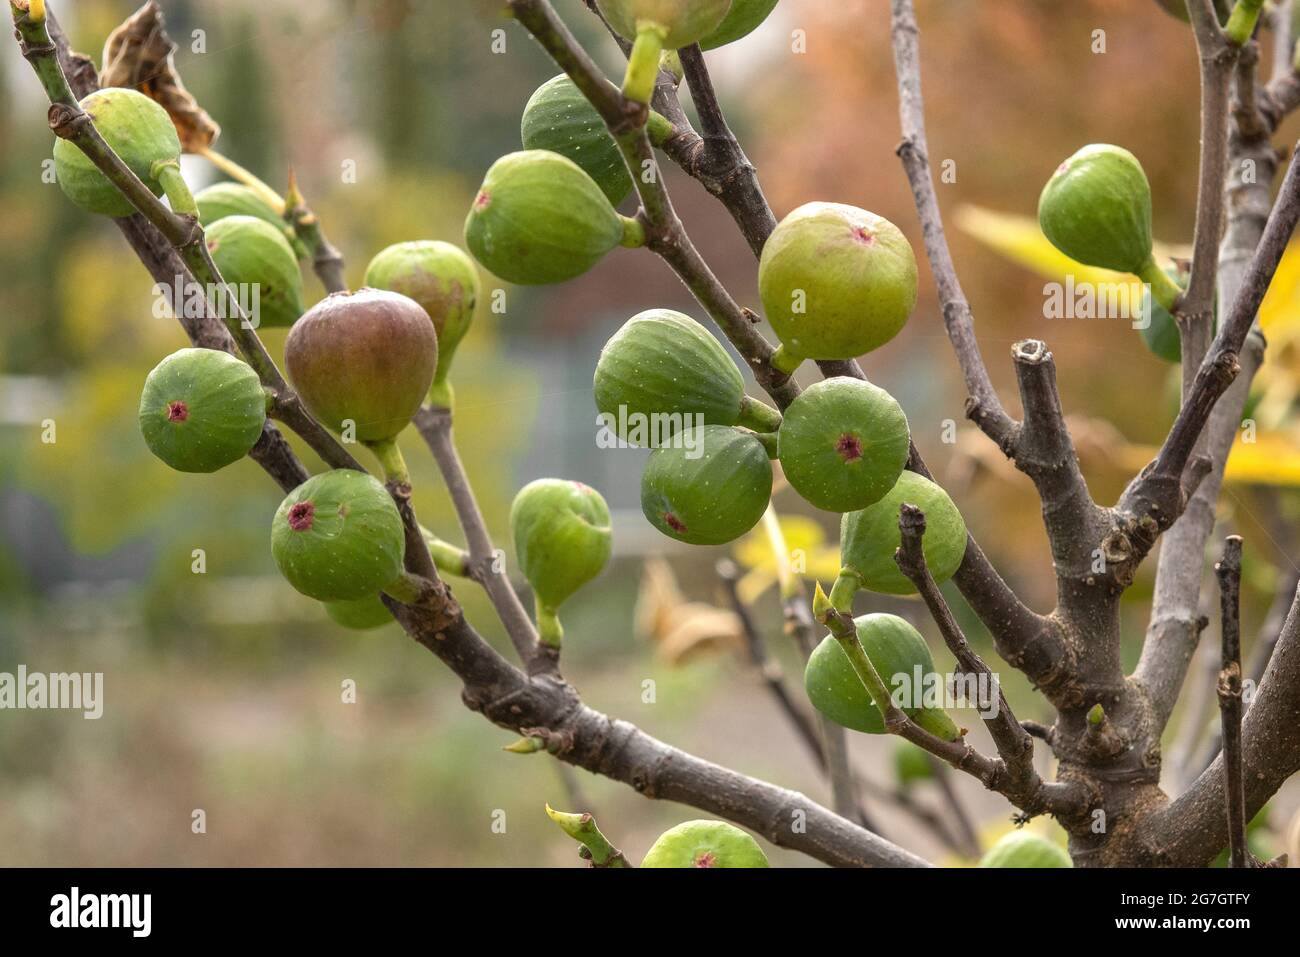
1272,459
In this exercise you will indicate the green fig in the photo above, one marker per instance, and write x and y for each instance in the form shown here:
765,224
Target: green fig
709,487
444,281
705,844
562,540
538,218
655,26
139,131
338,537
911,764
235,199
843,444
869,538
836,282
1096,209
252,253
661,371
744,17
895,648
1161,334
561,119
359,614
1023,849
201,409
365,358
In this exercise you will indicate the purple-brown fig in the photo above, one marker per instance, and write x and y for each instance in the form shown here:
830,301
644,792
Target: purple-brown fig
364,359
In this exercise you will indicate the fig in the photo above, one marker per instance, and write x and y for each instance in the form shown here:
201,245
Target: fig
895,648
709,487
338,537
251,252
911,764
744,17
655,26
1096,208
561,119
1022,849
235,199
664,367
365,357
705,844
1161,335
444,281
843,444
139,131
869,537
562,538
836,282
359,614
201,409
538,218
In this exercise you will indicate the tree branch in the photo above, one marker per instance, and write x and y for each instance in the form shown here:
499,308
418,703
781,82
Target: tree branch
1229,689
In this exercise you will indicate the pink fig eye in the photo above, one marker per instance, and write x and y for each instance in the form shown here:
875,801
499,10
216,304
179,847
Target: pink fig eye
849,447
675,523
301,515
481,200
177,411
864,237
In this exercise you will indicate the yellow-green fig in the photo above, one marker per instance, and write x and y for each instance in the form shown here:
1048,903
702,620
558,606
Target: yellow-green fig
705,844
235,199
744,17
655,26
1023,849
251,253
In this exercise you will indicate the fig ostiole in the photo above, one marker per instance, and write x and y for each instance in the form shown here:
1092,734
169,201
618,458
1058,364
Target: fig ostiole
362,363
562,537
142,134
256,259
445,282
744,17
236,199
836,282
657,25
869,538
1096,208
202,409
663,372
339,537
705,844
1023,850
709,486
843,444
539,218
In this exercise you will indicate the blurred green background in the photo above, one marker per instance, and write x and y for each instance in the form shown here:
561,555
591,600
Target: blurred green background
223,689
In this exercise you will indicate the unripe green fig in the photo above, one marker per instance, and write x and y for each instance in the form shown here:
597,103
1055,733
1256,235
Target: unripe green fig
444,281
1023,849
709,487
705,844
836,282
1096,208
338,537
1162,335
201,409
359,614
681,22
895,648
562,538
741,20
365,358
538,218
911,764
561,119
843,444
869,537
250,252
660,371
235,199
138,130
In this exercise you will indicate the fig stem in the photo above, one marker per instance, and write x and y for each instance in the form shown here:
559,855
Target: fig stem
177,191
660,128
391,461
1163,289
1241,22
549,630
758,416
441,394
447,558
633,233
783,360
407,588
842,592
768,440
643,62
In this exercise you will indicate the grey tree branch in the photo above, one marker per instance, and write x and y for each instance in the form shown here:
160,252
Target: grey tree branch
1228,570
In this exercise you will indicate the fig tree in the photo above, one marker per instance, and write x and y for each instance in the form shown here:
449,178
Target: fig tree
1023,849
869,537
444,281
561,119
235,199
705,844
843,444
661,370
201,409
1096,208
141,133
836,282
709,487
338,537
251,252
562,539
538,218
655,26
741,20
363,360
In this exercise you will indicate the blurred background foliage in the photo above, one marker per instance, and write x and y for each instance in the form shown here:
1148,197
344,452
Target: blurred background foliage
223,689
